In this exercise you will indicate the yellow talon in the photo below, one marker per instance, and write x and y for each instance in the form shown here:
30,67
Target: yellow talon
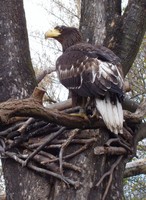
81,114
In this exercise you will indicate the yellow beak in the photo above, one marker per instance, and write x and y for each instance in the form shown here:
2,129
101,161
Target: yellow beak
52,33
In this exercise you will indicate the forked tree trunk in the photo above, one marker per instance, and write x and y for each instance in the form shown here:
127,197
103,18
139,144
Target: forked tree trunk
99,22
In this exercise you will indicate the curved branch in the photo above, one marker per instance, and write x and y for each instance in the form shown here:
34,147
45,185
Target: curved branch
135,168
32,107
141,133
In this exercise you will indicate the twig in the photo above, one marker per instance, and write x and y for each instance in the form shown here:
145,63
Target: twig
109,173
118,140
25,124
110,141
41,76
11,129
50,138
80,150
41,170
64,145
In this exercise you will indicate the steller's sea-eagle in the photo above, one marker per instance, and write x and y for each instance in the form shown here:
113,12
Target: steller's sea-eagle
90,71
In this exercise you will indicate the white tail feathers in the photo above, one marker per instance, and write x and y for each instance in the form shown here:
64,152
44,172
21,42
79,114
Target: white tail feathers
112,114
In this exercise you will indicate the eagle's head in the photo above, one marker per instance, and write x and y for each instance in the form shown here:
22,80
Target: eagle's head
67,36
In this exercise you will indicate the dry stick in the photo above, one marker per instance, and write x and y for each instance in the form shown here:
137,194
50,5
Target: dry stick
100,150
25,124
123,144
71,166
110,141
109,173
57,143
11,129
64,145
48,140
50,156
111,176
65,164
41,76
40,170
80,150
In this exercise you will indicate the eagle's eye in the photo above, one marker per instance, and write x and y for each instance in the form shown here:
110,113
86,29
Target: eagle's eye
60,28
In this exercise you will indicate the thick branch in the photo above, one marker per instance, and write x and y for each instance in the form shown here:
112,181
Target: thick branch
141,133
135,168
127,105
132,33
139,113
32,107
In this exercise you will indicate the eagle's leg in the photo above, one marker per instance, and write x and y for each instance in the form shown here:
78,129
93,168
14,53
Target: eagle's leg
91,108
81,101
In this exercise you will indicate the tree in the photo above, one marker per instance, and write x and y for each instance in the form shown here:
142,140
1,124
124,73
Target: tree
123,34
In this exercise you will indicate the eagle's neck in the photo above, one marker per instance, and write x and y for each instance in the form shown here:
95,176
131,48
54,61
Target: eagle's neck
73,39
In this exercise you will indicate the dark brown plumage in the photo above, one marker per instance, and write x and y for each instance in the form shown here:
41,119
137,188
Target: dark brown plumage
91,71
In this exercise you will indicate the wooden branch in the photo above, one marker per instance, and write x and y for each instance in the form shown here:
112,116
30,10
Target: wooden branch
127,105
49,139
61,105
130,105
41,76
110,174
41,170
141,133
32,107
135,168
64,145
132,32
109,150
138,115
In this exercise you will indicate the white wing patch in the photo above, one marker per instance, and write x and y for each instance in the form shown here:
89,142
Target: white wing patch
108,70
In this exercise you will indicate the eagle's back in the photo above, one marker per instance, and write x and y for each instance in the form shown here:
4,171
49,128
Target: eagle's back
90,71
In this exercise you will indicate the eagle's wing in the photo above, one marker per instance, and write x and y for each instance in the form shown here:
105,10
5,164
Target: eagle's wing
89,71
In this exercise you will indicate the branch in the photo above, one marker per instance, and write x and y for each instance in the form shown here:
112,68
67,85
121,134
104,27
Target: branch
48,140
41,76
130,105
141,133
135,168
109,150
32,107
132,32
41,170
139,113
110,174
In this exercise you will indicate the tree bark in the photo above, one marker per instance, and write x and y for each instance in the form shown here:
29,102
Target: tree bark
100,23
17,78
103,23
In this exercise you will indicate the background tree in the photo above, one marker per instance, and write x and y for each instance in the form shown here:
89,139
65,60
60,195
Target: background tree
102,31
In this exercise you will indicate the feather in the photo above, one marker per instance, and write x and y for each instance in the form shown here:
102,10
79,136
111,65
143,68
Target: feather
112,114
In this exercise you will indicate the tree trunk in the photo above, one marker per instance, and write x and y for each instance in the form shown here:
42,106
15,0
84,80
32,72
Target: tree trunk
102,22
17,78
17,81
98,26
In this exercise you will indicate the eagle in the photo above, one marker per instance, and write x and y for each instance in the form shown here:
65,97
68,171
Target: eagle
91,72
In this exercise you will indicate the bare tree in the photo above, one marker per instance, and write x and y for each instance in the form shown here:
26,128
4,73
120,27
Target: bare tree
88,159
